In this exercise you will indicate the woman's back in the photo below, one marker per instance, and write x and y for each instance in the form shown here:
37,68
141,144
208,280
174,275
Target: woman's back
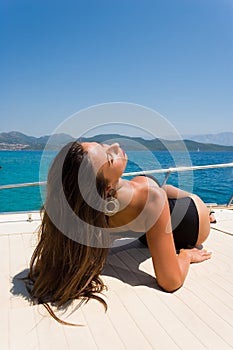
133,197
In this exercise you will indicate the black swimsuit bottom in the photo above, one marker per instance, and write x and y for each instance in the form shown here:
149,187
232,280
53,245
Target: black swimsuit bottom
184,219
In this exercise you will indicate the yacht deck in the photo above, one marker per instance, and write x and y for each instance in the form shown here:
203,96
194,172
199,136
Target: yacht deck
140,315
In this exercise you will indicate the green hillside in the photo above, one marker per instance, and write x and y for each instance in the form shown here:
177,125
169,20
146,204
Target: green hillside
16,140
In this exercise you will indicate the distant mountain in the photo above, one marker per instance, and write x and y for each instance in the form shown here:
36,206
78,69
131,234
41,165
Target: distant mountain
223,138
17,141
134,143
9,139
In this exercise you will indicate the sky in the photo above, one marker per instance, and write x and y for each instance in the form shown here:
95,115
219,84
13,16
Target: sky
171,56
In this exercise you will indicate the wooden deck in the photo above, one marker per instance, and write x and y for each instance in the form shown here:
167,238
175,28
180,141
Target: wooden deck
139,316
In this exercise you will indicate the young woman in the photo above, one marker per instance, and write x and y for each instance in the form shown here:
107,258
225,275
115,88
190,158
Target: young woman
87,202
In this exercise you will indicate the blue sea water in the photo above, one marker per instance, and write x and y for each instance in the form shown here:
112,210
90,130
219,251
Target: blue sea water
212,185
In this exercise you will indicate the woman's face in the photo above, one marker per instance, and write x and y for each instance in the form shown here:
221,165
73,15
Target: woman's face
110,159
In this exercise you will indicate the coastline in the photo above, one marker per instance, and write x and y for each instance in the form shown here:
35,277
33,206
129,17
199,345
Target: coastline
15,141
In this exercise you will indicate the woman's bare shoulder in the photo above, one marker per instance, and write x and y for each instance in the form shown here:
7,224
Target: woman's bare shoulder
138,201
145,191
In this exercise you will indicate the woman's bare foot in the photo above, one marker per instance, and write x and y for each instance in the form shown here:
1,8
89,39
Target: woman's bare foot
212,217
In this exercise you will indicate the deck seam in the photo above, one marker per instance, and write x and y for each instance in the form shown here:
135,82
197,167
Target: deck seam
157,320
89,328
192,311
225,290
182,321
203,321
134,290
123,304
225,280
133,322
9,340
225,232
214,313
215,297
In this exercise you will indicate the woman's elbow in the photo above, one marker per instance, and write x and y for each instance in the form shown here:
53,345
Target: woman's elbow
171,285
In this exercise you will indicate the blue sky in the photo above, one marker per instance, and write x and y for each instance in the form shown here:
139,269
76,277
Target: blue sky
174,56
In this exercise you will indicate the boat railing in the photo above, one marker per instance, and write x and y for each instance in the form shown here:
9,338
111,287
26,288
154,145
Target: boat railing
230,201
167,171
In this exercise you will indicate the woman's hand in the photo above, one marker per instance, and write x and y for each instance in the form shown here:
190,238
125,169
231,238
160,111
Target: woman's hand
197,255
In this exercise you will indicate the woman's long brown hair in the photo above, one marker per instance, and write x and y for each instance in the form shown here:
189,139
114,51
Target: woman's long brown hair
67,262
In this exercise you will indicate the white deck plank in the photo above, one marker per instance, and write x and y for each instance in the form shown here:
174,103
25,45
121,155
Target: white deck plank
213,299
29,243
18,227
147,319
217,290
225,281
22,331
50,333
138,327
192,321
224,220
72,335
140,315
130,334
207,315
216,238
18,264
101,328
132,264
147,304
4,328
222,246
19,217
122,269
79,337
5,284
176,329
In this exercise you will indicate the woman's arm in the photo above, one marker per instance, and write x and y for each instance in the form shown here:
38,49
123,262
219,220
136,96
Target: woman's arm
174,192
170,269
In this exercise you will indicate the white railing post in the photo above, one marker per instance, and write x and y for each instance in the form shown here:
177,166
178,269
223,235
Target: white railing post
166,178
230,201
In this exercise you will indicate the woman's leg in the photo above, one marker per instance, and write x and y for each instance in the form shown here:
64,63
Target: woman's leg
174,192
212,217
204,219
203,211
